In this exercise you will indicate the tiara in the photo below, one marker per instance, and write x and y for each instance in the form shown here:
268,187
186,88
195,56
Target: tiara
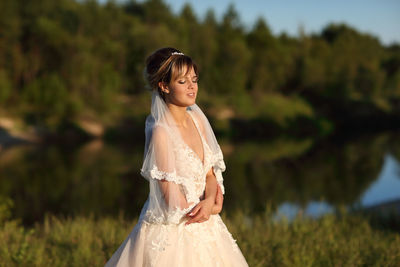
177,53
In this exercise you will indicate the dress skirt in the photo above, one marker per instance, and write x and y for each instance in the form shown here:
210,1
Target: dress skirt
203,244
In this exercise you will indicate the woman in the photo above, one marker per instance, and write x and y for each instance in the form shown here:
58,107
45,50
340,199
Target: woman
179,224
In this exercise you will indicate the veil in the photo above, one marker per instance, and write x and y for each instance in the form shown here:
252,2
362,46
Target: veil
169,199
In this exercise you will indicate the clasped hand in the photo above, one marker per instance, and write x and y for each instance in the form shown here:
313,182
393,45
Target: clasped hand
203,210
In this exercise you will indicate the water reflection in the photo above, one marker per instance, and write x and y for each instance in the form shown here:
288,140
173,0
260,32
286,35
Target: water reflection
284,174
387,187
383,191
312,209
334,172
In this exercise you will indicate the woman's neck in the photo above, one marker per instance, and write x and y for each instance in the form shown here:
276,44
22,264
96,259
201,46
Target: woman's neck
179,114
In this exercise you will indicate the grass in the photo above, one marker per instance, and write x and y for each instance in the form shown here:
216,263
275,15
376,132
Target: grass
332,240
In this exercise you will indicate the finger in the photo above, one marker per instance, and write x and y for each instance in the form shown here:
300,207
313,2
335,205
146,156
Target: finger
218,201
194,210
198,217
218,193
195,219
219,198
221,202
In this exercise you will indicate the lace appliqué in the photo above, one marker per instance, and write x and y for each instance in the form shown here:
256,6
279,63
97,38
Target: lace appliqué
222,227
216,160
219,166
159,244
188,186
207,232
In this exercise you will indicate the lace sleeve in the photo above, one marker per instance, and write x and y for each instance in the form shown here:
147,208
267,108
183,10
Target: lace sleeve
219,167
167,198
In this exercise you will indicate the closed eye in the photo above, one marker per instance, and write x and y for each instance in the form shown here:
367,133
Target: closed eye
195,80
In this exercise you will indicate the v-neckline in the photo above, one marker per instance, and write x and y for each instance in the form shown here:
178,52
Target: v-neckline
201,140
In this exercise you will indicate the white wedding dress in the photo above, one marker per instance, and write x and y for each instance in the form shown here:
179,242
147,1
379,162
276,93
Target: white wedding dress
161,238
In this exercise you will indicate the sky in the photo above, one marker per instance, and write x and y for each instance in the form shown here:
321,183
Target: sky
380,18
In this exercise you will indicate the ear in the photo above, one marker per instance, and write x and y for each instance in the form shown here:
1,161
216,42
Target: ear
163,87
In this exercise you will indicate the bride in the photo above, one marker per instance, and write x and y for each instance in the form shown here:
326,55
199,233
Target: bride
179,225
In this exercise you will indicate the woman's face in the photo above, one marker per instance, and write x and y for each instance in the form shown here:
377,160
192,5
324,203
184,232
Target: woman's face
182,91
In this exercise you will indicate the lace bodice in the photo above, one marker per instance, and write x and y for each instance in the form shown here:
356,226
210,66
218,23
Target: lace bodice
190,173
190,165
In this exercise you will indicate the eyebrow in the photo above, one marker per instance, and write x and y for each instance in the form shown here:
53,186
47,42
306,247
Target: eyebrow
184,76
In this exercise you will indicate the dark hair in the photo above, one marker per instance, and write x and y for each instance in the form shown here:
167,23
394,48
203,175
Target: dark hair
166,64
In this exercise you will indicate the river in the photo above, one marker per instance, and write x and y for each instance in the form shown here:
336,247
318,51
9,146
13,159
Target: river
285,175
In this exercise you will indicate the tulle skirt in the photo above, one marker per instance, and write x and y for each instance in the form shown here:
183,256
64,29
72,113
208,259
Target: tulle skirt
203,244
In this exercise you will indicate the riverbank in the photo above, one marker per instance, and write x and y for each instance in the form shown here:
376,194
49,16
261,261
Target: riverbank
332,240
226,124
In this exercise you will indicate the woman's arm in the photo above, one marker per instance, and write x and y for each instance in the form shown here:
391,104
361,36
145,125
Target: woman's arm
219,201
218,196
173,196
165,162
211,186
212,202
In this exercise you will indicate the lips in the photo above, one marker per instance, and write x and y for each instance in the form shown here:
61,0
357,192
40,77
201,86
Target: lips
191,95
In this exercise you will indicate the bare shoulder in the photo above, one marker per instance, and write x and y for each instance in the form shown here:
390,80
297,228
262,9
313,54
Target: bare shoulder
159,133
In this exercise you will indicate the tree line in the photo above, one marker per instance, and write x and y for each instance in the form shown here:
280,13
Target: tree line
63,59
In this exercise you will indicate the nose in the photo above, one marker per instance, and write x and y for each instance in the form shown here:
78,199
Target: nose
191,84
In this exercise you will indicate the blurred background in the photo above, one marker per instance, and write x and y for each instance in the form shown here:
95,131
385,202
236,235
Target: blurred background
304,99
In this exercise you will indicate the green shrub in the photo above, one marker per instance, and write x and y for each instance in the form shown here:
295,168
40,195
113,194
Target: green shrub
345,240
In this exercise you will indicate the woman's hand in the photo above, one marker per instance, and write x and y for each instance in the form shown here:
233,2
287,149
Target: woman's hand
219,201
200,211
